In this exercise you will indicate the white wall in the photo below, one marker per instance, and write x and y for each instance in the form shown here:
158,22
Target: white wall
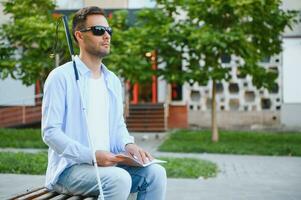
13,92
292,70
162,90
291,108
142,3
67,4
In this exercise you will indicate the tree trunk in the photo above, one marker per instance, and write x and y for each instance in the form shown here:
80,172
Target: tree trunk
214,128
167,102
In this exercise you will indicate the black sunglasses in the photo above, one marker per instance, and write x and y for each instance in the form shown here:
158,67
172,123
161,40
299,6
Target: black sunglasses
98,30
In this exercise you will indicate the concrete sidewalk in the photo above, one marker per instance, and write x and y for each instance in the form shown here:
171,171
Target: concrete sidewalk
240,177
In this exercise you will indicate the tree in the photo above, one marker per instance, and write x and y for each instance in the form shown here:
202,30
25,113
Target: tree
27,41
248,29
127,57
151,33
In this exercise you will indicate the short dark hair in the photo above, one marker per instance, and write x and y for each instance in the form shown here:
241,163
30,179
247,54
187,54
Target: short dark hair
80,17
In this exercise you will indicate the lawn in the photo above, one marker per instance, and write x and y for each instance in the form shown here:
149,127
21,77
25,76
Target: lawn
23,163
21,138
189,168
28,163
234,142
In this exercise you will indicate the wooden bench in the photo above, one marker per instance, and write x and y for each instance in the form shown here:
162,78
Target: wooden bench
43,194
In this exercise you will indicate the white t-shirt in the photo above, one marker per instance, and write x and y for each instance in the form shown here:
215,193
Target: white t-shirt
98,114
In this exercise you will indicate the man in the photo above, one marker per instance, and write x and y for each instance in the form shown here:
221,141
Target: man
67,120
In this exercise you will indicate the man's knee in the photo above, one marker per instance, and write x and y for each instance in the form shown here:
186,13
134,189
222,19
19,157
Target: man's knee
124,180
156,176
159,174
119,184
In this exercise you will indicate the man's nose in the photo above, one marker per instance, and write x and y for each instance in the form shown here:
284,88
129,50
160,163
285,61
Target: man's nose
106,35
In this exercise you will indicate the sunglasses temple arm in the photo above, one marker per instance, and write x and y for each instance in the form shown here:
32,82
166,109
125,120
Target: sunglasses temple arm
70,46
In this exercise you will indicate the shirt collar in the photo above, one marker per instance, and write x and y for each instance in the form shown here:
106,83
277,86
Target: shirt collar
81,67
84,70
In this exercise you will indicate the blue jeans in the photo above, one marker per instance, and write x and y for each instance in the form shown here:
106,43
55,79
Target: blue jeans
117,182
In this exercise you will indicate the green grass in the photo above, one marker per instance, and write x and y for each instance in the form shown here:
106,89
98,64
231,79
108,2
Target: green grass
189,168
28,163
23,163
21,138
234,142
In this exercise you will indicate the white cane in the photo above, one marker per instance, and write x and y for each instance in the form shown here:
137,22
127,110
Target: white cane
69,41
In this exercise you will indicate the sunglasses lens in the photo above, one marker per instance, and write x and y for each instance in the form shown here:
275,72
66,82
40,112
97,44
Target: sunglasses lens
99,30
110,31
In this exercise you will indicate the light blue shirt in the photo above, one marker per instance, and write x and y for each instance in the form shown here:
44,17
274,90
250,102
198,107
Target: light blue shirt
64,127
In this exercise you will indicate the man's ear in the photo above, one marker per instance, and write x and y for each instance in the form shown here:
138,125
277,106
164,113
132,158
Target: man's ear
78,35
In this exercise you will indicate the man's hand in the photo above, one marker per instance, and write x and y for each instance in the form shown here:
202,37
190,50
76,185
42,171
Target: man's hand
138,153
105,159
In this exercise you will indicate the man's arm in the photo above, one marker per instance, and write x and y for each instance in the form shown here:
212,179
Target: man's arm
53,111
105,158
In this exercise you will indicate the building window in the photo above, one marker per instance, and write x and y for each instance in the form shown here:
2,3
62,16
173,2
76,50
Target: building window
176,92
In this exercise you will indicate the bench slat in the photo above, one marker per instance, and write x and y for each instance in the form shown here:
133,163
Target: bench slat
33,195
28,191
74,198
46,196
60,197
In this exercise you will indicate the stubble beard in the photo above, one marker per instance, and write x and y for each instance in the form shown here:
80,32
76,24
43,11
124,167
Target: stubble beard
99,53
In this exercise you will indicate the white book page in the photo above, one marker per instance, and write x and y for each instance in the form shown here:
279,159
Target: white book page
128,160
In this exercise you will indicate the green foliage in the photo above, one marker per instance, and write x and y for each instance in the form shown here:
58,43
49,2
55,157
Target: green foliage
21,138
23,163
127,57
235,142
248,29
27,40
152,32
189,168
162,36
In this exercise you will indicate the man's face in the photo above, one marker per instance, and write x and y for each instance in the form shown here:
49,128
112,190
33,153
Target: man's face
95,45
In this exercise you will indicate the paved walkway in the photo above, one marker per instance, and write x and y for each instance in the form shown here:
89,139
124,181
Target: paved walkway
240,177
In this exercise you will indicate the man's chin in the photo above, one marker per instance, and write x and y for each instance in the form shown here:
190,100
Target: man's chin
104,53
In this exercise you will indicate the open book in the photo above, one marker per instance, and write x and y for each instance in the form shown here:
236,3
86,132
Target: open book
128,160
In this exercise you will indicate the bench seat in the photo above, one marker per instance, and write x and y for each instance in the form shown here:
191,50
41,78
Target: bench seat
43,193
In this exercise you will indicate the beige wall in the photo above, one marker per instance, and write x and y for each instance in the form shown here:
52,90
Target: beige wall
107,3
67,4
236,119
293,5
